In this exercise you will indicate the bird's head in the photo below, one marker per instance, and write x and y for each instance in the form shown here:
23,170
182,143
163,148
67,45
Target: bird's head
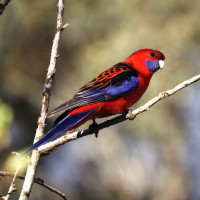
147,61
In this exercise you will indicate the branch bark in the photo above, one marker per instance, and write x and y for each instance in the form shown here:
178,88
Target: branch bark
3,6
50,146
39,181
29,179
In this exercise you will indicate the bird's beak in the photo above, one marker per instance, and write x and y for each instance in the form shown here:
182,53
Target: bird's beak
161,63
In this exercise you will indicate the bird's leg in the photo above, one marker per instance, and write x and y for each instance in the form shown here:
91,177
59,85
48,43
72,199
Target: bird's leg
129,111
92,126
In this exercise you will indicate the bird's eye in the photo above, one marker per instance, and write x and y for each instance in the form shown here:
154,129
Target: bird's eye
152,54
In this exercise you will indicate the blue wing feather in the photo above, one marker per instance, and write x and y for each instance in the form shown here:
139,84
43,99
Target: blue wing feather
124,88
99,95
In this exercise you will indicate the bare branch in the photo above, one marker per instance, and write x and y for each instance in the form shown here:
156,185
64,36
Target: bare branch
36,180
12,185
26,190
3,6
146,107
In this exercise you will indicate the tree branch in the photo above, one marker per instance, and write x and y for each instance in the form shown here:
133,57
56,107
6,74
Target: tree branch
36,180
26,190
3,6
12,185
146,107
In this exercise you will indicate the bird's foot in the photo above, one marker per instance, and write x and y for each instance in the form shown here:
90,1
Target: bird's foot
129,111
92,127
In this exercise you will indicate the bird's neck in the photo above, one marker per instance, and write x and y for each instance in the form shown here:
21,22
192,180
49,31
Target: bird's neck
140,67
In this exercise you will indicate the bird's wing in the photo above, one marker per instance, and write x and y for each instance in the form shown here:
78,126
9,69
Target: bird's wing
119,80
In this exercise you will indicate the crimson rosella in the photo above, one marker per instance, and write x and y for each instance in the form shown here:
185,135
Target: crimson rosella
111,92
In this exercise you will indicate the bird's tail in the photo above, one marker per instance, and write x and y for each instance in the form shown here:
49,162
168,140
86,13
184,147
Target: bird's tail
65,124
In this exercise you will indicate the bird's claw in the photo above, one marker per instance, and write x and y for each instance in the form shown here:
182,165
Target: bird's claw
132,117
92,126
129,111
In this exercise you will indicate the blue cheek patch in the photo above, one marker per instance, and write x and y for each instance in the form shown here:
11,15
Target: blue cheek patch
152,66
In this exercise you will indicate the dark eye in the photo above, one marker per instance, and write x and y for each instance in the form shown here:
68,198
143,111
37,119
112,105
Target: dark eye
152,54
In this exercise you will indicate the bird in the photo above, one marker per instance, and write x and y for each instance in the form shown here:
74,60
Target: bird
111,92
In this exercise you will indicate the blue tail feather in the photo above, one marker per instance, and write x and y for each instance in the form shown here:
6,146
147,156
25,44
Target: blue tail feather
65,124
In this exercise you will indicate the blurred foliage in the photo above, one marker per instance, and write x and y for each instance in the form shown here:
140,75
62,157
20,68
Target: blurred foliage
6,117
154,157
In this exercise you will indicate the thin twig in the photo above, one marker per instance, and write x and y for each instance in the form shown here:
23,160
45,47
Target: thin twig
26,190
3,6
12,185
146,107
36,180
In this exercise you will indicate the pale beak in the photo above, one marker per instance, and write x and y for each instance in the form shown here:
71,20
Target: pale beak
161,63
